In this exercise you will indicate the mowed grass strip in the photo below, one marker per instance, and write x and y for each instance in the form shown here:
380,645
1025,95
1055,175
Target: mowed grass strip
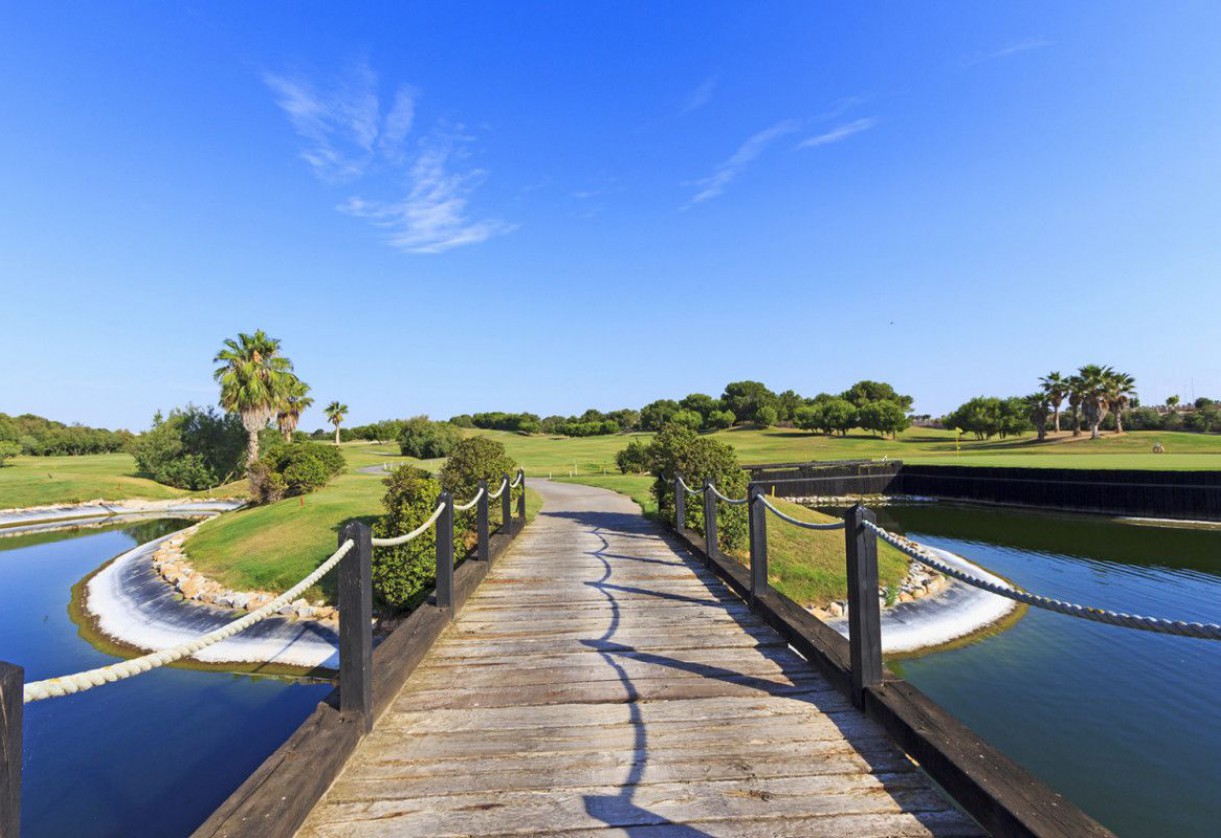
807,566
45,481
273,547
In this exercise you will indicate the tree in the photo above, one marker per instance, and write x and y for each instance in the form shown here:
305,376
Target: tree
744,398
1056,389
634,459
719,420
1119,389
883,417
334,414
8,450
192,448
424,439
474,459
1037,406
1093,391
839,415
787,404
688,419
701,403
863,392
655,414
254,381
1172,402
295,403
680,450
766,416
1076,388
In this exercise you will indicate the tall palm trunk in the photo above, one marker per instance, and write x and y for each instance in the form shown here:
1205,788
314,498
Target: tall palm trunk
1055,412
253,421
336,434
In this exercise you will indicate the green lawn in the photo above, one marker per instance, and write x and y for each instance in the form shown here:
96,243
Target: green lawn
42,481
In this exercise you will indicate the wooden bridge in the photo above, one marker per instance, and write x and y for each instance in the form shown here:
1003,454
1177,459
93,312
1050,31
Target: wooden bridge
603,676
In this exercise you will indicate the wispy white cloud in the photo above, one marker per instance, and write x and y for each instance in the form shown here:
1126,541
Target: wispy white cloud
840,132
432,218
1005,52
701,96
728,170
347,138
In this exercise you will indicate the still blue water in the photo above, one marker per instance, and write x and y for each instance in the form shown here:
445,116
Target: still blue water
153,755
1126,724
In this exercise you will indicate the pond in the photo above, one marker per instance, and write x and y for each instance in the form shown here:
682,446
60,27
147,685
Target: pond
1123,722
152,755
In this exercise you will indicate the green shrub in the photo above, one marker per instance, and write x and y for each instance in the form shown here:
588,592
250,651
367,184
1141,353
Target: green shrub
687,419
766,416
424,439
472,460
719,420
403,574
634,459
8,450
680,450
192,448
266,484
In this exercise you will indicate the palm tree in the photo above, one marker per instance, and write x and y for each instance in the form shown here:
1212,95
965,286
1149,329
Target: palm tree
1056,389
290,412
1036,407
1076,389
1094,402
334,414
254,381
1119,390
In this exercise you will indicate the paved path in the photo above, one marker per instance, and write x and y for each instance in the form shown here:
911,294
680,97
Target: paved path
600,683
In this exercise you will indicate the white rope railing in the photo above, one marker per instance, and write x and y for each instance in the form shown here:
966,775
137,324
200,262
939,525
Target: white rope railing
734,501
416,533
521,475
81,681
504,484
808,525
922,554
471,503
688,489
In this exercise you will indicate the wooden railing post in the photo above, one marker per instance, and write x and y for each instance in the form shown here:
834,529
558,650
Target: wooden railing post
710,542
445,553
12,684
680,504
758,542
864,611
506,506
521,499
356,625
481,522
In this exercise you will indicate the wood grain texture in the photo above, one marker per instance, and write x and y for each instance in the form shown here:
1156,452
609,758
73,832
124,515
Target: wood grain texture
600,682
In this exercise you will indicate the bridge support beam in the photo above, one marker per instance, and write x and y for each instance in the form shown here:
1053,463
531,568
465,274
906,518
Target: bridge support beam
445,553
864,610
482,532
12,682
758,542
356,625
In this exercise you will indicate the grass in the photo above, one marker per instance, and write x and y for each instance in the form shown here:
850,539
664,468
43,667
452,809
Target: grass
43,481
272,547
807,566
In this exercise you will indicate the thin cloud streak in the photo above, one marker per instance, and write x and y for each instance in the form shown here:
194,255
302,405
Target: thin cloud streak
433,216
1005,52
347,139
701,96
727,171
841,132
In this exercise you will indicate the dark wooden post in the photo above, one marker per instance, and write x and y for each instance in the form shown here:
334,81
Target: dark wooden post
521,499
758,542
12,685
481,521
710,543
506,506
864,612
445,553
680,504
356,624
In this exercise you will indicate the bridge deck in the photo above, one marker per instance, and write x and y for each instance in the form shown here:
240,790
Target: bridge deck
601,682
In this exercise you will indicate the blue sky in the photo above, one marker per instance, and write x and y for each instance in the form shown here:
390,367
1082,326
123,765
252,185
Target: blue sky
444,207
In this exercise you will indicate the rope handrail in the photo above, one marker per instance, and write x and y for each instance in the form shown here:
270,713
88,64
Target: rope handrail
416,533
504,484
809,525
922,554
688,489
87,680
734,501
521,475
471,503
